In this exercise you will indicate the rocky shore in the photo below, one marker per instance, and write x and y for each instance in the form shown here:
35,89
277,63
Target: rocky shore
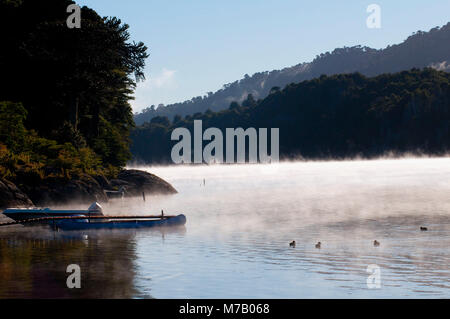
84,188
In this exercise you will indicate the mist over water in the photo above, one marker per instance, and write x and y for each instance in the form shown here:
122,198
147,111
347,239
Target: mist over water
241,221
239,225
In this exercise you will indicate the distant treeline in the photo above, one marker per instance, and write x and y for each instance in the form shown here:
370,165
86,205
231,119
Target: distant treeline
336,116
64,98
422,49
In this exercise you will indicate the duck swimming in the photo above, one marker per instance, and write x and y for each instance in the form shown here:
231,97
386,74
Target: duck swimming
292,244
423,228
319,245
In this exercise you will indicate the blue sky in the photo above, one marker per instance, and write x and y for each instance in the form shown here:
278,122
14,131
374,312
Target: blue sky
197,46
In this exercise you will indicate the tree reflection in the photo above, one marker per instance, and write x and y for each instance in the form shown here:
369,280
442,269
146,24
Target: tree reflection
34,265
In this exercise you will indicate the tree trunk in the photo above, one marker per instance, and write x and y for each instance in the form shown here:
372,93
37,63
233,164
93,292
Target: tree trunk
74,112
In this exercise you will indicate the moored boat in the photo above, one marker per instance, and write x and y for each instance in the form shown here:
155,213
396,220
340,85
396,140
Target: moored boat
92,218
115,223
21,214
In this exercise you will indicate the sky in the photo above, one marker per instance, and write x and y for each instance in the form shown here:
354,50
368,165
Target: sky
197,46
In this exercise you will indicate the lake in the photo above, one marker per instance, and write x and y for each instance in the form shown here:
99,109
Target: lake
239,225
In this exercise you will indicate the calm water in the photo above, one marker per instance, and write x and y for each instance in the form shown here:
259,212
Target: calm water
236,241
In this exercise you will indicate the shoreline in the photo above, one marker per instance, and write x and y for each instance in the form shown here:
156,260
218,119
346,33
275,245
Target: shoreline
83,189
140,165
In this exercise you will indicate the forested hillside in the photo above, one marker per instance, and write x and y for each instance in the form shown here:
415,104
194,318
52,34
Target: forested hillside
422,49
330,117
64,96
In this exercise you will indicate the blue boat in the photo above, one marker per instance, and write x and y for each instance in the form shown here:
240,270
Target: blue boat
85,223
92,218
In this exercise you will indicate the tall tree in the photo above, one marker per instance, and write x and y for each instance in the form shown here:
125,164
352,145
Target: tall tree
83,77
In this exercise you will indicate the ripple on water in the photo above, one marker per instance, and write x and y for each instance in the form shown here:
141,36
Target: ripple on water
236,241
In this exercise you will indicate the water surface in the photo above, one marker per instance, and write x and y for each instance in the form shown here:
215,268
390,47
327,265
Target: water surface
236,241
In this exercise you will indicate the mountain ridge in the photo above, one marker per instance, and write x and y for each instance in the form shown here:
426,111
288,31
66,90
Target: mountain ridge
421,49
340,116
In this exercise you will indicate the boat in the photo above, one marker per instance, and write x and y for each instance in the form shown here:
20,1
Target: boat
22,214
92,218
83,223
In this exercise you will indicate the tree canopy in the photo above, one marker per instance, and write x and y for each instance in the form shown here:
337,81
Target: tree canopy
332,117
69,86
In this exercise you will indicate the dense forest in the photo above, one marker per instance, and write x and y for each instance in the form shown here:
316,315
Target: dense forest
64,98
422,49
336,116
64,95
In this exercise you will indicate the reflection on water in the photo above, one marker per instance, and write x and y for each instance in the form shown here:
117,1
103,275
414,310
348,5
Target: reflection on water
36,267
34,262
235,243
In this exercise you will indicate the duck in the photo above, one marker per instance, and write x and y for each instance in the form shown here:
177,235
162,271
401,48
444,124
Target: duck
423,228
292,244
319,245
376,243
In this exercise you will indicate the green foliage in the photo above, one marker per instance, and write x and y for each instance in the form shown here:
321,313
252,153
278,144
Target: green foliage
13,3
12,129
26,156
72,161
75,84
67,133
112,144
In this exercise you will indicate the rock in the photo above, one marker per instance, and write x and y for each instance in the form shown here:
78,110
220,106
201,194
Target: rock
136,182
11,196
83,189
